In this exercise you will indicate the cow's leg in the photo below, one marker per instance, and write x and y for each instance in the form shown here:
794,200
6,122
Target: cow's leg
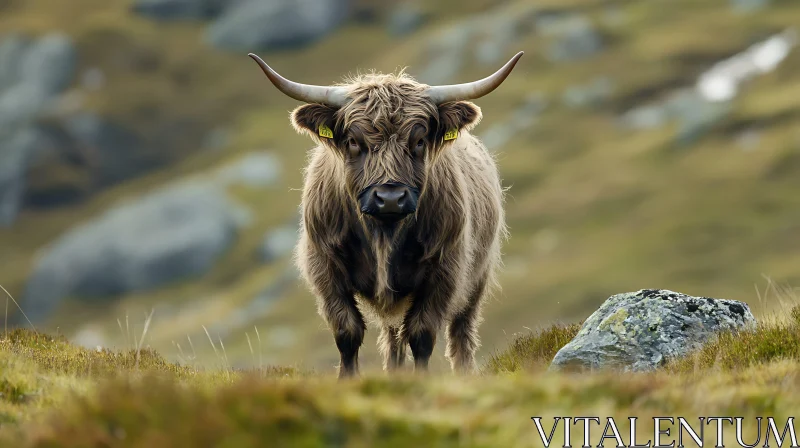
392,349
337,305
426,315
462,332
348,331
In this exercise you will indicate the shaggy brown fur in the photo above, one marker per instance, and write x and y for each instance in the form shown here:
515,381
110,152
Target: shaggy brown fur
433,268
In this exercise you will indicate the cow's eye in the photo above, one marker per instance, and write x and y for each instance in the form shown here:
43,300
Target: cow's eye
419,148
353,147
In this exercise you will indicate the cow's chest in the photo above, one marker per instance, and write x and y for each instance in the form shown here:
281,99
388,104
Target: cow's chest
404,271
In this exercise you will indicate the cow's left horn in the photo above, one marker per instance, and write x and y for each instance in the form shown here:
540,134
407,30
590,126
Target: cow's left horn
332,96
475,89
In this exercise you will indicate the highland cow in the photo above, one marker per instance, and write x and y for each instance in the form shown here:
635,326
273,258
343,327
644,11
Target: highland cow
402,213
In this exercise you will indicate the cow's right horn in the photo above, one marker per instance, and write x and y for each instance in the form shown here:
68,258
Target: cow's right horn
332,96
475,89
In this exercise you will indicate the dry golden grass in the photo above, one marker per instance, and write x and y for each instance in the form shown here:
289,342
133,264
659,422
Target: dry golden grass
54,394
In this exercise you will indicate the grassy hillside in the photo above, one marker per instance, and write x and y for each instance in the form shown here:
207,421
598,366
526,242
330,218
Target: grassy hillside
55,394
594,209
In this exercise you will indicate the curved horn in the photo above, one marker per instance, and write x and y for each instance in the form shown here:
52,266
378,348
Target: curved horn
332,96
475,89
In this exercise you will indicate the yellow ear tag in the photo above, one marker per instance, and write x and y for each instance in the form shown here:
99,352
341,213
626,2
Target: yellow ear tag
325,131
451,134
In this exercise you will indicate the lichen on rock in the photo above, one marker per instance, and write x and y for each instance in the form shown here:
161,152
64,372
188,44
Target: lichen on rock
640,331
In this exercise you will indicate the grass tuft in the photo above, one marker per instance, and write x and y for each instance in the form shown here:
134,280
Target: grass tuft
767,343
56,354
532,351
13,392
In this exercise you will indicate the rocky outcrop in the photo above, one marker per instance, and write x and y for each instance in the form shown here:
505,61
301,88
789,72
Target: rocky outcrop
15,150
572,37
698,109
276,24
406,18
32,73
52,152
257,169
179,9
277,243
78,154
524,117
489,39
175,233
596,93
640,331
251,25
749,6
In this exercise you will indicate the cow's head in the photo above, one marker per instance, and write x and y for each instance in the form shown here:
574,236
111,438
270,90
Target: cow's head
386,131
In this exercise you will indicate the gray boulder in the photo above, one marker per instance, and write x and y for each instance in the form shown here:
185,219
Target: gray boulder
406,18
216,139
574,38
114,148
645,117
695,115
178,9
593,94
15,151
49,63
747,6
276,24
640,331
497,135
175,233
500,32
489,38
445,53
93,79
33,72
12,47
524,117
21,104
277,243
258,169
74,156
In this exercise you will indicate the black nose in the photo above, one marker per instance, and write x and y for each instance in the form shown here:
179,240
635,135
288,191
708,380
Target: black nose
388,202
391,199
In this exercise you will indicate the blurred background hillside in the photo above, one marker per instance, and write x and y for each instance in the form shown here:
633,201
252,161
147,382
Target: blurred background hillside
147,165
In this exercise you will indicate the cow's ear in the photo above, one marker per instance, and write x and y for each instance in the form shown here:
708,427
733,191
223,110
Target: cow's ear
316,120
458,115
